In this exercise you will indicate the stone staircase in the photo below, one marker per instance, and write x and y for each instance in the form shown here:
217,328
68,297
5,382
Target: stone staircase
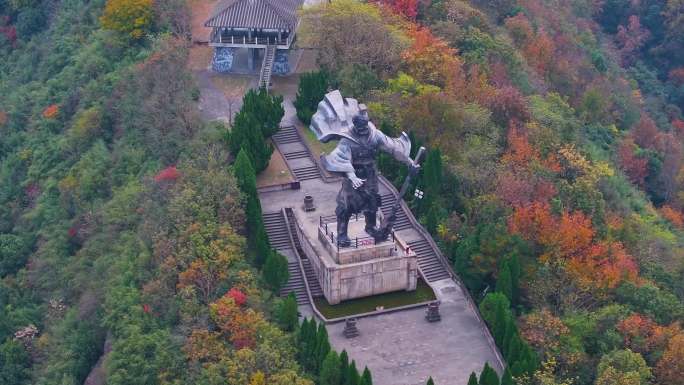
277,231
311,278
287,135
402,221
429,262
267,67
279,237
309,271
293,148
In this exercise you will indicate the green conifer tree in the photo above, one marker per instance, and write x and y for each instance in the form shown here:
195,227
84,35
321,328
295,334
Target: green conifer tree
514,266
246,133
488,376
330,369
312,88
511,332
507,378
354,376
344,368
322,346
287,313
512,354
430,381
504,284
472,380
501,317
275,271
366,378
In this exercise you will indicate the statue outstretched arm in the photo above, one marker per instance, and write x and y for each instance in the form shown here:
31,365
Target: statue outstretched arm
339,160
399,148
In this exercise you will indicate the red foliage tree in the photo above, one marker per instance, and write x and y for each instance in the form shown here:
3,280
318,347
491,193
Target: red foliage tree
508,104
406,8
677,76
431,60
540,51
3,118
635,167
238,296
673,215
169,174
646,133
51,111
520,28
570,238
630,38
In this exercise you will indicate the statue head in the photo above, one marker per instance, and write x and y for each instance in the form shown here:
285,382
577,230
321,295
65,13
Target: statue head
360,122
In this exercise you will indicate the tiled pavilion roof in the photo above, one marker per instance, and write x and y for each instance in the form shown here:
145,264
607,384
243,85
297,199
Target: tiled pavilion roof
259,14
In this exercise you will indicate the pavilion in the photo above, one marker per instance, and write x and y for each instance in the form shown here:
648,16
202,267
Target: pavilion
256,25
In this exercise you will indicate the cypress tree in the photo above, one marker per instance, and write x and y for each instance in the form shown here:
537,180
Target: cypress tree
430,381
354,376
310,346
499,326
344,368
490,305
528,358
473,379
513,353
504,284
514,266
261,246
488,376
266,109
246,133
312,88
287,314
322,346
507,378
275,270
511,332
366,378
330,369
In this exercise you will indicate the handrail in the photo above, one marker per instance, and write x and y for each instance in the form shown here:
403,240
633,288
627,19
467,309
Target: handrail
425,234
299,261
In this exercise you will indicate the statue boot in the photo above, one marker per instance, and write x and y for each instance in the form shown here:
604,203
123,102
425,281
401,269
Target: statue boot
371,219
342,236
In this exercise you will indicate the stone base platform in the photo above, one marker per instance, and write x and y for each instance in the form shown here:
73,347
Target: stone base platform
363,269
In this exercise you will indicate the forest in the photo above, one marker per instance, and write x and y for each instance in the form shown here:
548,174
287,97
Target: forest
130,228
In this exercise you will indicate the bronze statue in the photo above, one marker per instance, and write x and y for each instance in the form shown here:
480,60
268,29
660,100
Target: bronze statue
355,157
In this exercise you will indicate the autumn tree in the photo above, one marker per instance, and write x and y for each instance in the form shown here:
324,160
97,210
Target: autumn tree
430,60
671,366
131,17
623,367
630,39
349,32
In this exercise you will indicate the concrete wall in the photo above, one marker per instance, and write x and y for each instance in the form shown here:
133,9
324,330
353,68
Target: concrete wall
341,282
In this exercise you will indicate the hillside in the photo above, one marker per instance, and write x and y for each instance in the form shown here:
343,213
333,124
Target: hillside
130,246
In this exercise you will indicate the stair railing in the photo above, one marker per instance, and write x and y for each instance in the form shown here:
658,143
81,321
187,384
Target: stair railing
299,261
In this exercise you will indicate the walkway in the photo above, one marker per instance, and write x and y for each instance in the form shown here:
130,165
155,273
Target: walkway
400,348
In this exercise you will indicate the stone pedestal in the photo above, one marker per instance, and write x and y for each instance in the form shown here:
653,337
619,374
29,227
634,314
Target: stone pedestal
365,268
